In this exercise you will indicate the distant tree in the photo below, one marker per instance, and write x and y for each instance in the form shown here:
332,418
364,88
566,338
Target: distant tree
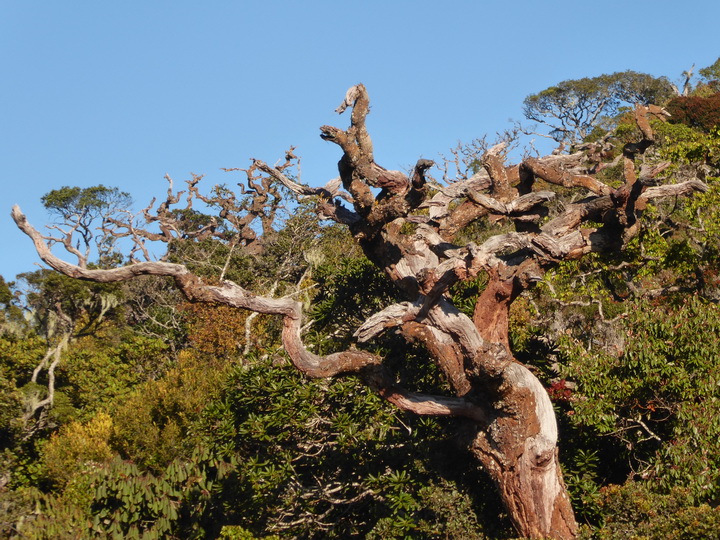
83,209
573,108
11,314
711,72
419,234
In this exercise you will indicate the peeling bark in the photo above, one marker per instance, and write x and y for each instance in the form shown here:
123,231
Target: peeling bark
519,451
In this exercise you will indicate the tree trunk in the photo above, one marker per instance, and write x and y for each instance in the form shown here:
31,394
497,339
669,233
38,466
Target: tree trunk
519,451
519,447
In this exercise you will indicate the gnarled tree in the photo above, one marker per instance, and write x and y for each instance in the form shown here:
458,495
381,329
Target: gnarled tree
407,225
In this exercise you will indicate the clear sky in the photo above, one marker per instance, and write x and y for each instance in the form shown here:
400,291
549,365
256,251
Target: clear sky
120,93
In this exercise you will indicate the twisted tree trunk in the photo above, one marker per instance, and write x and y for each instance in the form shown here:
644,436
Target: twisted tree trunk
408,231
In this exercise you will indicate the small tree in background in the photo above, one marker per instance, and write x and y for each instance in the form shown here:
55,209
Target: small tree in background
711,73
573,108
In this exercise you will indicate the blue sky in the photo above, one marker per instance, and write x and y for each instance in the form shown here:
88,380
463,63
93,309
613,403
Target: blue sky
120,93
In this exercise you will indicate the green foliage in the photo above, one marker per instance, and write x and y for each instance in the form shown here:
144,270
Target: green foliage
207,258
188,221
77,447
349,291
19,356
29,513
152,310
683,145
69,202
11,316
464,293
84,210
286,252
11,409
573,108
659,397
331,459
711,72
179,502
281,266
153,424
6,295
50,295
100,371
634,511
235,532
582,476
449,514
119,500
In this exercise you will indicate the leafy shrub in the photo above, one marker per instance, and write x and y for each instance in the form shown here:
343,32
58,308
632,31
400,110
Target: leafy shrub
698,112
330,459
11,409
77,448
152,425
100,371
118,500
658,399
634,511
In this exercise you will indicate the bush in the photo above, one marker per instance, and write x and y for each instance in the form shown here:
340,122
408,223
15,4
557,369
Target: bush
698,112
634,511
78,448
152,426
